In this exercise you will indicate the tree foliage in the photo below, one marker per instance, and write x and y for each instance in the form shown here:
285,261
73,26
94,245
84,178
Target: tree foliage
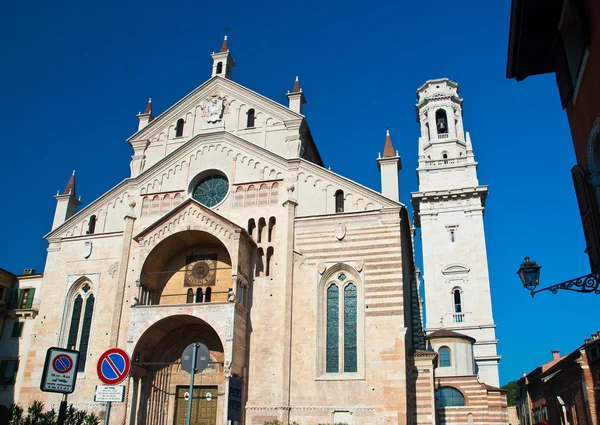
513,392
36,415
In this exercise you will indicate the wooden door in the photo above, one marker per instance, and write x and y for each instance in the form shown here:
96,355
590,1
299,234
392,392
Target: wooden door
204,406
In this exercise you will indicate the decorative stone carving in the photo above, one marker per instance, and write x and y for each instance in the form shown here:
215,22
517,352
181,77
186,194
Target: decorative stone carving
322,268
340,231
113,269
227,369
231,296
87,249
360,265
214,110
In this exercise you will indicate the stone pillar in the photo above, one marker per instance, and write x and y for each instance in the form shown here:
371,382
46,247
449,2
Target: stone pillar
421,387
432,124
288,265
451,123
133,406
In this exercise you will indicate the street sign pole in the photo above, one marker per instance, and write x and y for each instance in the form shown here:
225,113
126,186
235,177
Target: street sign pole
106,419
189,412
62,411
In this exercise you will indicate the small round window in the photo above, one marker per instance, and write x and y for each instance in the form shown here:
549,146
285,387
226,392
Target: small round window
211,190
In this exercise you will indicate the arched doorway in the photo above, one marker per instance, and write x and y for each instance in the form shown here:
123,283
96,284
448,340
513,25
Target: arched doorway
162,386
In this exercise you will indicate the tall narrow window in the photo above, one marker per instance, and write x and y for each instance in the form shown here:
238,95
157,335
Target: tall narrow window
250,120
268,262
452,237
457,301
339,201
444,356
441,121
333,338
207,295
350,359
179,127
75,319
199,295
260,256
91,225
190,296
272,221
251,227
219,67
261,230
85,331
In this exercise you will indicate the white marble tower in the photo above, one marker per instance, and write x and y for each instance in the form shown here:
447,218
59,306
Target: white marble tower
449,210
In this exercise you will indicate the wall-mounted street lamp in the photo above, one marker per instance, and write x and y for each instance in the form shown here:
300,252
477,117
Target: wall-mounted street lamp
529,272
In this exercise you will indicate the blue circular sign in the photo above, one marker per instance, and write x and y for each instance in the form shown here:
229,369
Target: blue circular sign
113,366
62,363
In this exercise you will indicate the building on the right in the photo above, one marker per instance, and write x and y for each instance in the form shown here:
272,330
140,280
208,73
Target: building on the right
565,390
563,37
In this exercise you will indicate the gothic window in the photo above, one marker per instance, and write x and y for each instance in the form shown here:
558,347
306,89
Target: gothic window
263,195
219,67
179,127
91,225
207,295
190,296
199,295
251,197
250,120
444,357
457,298
81,312
333,310
341,339
251,227
441,121
272,221
339,201
259,269
261,228
350,360
274,193
448,396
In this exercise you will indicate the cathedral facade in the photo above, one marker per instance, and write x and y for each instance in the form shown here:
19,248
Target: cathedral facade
302,283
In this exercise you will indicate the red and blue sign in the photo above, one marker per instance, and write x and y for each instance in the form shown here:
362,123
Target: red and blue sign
113,366
62,363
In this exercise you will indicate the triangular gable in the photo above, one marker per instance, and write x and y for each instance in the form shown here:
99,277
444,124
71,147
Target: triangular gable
280,112
167,221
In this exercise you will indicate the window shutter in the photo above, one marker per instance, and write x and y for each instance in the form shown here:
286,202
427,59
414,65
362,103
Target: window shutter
2,372
30,298
582,191
16,297
8,293
561,69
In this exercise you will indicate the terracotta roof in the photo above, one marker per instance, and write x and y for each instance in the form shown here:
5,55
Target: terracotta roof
224,46
491,388
296,88
148,109
424,353
445,333
388,149
70,189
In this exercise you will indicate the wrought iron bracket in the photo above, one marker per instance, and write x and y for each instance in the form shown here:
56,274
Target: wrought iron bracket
585,284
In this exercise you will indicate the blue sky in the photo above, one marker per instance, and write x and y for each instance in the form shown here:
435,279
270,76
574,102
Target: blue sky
75,74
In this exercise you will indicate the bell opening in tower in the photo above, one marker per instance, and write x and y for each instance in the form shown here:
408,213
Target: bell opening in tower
441,121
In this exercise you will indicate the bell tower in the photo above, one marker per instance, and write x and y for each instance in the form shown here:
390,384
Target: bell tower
449,210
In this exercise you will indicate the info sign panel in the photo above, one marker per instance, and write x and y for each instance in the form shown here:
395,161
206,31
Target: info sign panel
109,393
60,371
234,403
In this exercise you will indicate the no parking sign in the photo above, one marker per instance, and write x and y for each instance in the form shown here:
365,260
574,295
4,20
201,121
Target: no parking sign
60,371
113,366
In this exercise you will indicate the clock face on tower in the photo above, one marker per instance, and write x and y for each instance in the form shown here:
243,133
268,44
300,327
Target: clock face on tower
200,272
211,190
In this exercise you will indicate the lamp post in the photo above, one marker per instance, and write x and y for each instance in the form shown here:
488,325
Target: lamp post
529,272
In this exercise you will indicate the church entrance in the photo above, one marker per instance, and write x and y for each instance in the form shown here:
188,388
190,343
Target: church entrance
163,384
204,405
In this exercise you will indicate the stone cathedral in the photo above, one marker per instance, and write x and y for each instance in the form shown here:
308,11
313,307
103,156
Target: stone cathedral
302,283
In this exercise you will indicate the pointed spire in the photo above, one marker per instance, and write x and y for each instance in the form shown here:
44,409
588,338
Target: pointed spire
296,88
224,46
148,109
70,189
388,149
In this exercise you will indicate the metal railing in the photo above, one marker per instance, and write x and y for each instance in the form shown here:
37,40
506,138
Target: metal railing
458,317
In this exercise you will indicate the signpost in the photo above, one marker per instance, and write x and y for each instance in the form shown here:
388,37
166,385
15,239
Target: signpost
194,360
113,367
59,376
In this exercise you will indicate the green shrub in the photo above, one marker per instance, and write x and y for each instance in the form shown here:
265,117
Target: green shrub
36,415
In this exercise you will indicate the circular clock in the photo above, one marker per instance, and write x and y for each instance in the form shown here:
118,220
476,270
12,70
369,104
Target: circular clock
201,272
211,190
